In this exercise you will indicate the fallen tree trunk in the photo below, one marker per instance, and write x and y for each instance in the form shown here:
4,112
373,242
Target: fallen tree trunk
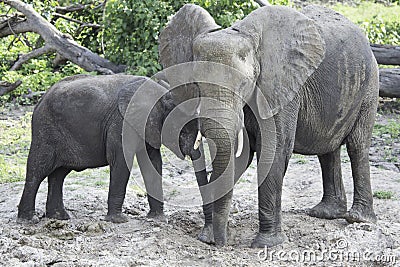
386,54
389,83
55,41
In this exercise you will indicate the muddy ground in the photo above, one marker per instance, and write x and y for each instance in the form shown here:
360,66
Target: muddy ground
87,240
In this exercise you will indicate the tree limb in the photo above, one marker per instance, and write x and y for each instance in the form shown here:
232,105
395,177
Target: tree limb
34,53
262,2
6,87
60,42
386,54
76,8
14,26
71,8
389,83
82,23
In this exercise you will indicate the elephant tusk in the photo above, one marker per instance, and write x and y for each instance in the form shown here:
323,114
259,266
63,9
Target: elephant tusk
198,141
240,144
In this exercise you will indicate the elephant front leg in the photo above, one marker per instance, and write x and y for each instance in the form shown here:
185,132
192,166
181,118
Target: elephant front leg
150,164
269,205
333,204
119,175
199,165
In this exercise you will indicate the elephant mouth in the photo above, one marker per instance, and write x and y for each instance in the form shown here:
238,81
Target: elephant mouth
239,148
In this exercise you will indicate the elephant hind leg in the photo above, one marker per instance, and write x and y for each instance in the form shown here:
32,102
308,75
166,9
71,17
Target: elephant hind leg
39,166
55,205
333,204
358,143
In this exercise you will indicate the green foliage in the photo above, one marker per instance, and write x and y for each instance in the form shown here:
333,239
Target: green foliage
381,23
300,159
130,32
392,128
379,32
37,74
390,133
383,194
14,145
132,27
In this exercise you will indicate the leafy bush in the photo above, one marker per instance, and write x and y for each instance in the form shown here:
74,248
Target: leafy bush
380,22
379,32
132,27
130,32
383,194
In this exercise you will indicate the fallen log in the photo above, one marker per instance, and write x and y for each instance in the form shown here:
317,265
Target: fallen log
389,83
386,54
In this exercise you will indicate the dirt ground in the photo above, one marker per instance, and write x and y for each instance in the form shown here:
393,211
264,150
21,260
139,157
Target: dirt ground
87,240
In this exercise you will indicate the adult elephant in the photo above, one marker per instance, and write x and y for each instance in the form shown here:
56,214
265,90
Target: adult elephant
310,75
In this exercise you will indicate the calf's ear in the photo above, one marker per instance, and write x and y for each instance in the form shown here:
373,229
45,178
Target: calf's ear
140,104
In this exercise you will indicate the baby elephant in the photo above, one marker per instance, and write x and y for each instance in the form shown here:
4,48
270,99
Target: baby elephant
79,124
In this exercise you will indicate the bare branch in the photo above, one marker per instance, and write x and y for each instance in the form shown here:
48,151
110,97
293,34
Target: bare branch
14,26
6,87
262,2
76,8
71,8
61,43
34,53
82,23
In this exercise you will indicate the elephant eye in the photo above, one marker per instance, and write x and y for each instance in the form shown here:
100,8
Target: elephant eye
242,56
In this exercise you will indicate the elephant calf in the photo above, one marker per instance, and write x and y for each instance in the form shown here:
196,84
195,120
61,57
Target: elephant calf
78,124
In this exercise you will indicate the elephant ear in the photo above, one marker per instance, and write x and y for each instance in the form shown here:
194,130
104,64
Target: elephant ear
176,39
175,47
140,103
289,49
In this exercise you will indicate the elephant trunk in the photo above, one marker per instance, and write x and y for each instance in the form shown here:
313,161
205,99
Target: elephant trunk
220,132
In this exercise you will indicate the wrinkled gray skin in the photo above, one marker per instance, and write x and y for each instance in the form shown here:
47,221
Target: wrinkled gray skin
78,125
316,72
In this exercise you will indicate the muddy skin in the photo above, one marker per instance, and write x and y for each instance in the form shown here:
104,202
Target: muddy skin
316,90
78,124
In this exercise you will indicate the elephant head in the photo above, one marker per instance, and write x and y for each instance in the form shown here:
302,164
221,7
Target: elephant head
147,107
269,54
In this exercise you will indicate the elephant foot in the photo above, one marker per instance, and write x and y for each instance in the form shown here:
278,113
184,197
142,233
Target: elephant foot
268,240
34,219
61,214
360,214
158,216
329,209
116,218
206,235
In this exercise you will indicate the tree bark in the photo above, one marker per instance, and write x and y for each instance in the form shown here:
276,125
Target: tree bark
6,87
54,40
386,54
389,83
263,3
